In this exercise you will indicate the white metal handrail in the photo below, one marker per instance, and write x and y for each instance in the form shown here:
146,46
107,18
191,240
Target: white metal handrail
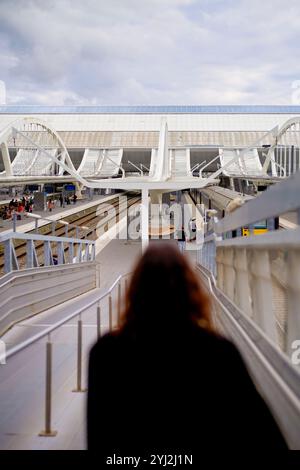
205,166
197,166
14,350
46,333
280,198
261,273
11,260
136,167
275,377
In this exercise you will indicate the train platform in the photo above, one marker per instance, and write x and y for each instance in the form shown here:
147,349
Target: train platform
26,224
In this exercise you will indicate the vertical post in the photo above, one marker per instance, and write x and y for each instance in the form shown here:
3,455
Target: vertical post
79,358
47,253
110,313
242,295
145,218
48,396
229,275
98,321
262,292
36,228
77,232
53,228
220,267
60,253
71,252
119,303
7,256
6,159
29,253
14,222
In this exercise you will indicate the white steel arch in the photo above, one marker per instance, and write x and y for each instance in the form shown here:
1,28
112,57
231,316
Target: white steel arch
33,156
284,153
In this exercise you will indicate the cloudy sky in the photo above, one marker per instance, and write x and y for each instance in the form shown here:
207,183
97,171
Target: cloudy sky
150,51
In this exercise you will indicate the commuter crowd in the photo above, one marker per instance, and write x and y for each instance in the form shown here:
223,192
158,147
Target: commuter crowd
25,204
17,206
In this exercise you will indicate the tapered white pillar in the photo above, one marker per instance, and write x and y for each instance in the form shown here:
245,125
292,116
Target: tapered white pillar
145,218
6,159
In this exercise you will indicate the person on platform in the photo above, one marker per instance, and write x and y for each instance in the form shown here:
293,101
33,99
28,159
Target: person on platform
165,380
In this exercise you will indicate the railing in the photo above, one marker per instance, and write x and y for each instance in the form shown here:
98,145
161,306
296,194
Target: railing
198,166
207,164
261,274
255,285
136,167
54,223
112,321
79,250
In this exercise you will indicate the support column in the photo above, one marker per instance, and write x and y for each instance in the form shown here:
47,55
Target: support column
6,159
145,218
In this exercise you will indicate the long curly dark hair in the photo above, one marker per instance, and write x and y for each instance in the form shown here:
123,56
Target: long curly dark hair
165,294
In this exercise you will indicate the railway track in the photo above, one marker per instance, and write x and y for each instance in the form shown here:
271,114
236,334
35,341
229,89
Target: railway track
90,218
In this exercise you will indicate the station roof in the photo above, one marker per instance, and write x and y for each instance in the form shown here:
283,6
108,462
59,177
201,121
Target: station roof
195,109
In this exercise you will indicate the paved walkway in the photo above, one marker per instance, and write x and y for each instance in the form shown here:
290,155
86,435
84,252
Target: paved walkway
22,379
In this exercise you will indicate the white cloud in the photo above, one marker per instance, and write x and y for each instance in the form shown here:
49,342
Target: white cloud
149,52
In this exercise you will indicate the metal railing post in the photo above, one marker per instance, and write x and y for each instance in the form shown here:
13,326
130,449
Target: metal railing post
48,432
14,222
119,303
110,313
79,358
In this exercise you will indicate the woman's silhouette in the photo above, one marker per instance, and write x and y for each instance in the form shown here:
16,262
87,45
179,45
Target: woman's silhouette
165,380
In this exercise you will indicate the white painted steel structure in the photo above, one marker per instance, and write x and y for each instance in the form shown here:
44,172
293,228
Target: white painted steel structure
169,169
255,285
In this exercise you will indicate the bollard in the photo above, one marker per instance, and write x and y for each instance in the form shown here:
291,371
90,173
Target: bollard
98,322
79,358
110,313
48,431
119,303
14,221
